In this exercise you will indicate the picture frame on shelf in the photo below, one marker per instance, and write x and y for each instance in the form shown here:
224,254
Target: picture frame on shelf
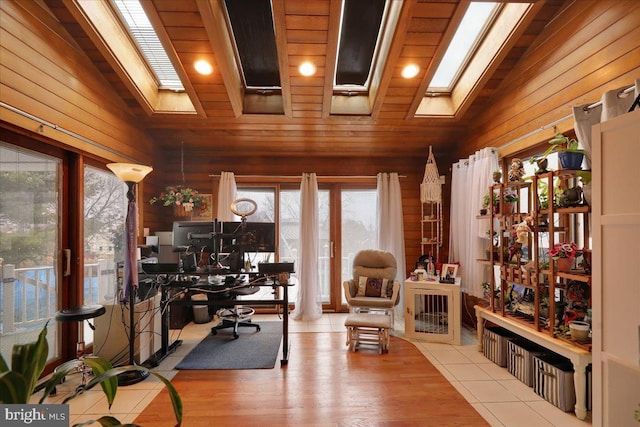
449,271
205,213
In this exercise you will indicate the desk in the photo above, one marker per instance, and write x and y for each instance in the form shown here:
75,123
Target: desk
283,302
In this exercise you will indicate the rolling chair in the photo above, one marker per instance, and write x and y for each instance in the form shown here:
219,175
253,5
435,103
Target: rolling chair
239,316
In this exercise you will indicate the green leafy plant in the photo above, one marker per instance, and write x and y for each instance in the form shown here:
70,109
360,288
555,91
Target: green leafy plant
585,177
28,361
558,144
510,196
180,196
486,200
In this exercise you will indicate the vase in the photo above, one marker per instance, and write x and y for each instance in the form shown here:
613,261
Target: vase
508,207
571,160
564,264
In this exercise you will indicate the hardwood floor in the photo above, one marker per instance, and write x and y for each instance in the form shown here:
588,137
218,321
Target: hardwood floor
323,385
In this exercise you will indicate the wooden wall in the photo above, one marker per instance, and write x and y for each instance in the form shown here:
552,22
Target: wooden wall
588,49
45,74
198,166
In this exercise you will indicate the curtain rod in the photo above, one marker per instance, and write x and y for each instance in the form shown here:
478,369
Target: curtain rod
300,176
43,122
552,124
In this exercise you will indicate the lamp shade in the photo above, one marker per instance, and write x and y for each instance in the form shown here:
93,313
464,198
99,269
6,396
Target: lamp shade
129,172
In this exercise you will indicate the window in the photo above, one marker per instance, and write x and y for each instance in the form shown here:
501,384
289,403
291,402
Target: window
251,25
358,45
142,31
471,30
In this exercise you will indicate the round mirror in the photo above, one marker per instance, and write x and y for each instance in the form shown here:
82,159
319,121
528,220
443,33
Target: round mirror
243,207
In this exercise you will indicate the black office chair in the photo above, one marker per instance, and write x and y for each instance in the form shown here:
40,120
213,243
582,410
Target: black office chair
239,315
80,314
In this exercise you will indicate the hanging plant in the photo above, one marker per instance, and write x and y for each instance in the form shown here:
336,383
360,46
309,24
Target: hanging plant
180,196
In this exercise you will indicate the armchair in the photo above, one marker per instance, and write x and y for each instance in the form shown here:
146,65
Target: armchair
373,287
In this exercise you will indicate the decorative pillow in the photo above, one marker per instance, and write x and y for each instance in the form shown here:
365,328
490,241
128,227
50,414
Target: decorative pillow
372,287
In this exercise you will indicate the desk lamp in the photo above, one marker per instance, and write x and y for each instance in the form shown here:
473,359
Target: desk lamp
131,174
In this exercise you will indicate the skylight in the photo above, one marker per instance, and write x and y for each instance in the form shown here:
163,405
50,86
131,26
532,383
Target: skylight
472,28
138,24
359,43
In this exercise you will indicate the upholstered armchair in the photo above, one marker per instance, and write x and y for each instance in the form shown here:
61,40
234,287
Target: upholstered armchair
373,287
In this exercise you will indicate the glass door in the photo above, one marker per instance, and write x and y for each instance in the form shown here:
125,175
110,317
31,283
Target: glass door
30,247
358,228
347,224
105,206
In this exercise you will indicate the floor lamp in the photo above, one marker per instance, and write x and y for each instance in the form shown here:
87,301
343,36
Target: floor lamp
131,174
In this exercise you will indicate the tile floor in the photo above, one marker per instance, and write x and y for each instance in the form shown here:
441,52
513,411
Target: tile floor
497,395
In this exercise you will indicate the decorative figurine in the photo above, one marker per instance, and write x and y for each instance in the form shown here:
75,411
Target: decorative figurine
516,171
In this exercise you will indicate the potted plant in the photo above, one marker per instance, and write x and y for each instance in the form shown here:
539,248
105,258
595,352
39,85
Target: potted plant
510,197
564,254
181,197
488,200
18,383
585,178
569,154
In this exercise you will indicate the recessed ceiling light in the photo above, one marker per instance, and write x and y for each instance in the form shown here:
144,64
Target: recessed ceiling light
307,69
410,71
203,67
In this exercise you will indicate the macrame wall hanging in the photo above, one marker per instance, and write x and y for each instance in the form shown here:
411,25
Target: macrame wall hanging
431,198
431,188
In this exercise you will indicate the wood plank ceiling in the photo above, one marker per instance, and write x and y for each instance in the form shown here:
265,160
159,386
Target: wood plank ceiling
306,30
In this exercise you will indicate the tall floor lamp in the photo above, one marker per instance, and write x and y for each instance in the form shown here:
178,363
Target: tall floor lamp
131,174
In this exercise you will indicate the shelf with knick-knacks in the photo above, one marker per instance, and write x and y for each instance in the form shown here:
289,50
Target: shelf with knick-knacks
431,228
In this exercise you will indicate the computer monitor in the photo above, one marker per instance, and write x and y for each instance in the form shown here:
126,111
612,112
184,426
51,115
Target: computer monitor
195,236
153,242
252,237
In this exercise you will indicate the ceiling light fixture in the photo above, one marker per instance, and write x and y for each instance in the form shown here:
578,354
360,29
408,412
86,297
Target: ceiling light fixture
307,69
410,71
203,67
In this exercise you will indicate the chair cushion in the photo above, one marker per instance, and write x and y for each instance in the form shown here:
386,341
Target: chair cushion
372,302
374,287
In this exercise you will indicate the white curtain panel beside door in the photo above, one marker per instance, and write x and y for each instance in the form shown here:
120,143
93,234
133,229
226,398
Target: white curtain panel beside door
391,226
470,181
308,302
227,193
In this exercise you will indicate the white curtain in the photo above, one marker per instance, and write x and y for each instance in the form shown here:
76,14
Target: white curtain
308,302
468,237
613,103
391,226
227,193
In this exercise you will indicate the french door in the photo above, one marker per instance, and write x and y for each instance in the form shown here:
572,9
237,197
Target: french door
347,224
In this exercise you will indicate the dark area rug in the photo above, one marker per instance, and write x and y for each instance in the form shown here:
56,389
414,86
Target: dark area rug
252,350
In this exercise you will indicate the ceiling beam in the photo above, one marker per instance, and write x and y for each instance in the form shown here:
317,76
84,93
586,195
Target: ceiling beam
215,24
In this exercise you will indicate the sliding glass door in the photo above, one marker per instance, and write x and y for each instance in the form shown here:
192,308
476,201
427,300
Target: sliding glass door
30,246
105,205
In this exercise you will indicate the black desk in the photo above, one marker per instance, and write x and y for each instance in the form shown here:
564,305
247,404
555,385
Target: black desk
284,302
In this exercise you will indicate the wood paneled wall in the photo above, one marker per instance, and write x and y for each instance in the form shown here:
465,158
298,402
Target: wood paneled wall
45,74
591,47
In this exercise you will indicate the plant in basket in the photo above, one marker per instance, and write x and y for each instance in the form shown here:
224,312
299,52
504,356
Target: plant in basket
178,195
564,254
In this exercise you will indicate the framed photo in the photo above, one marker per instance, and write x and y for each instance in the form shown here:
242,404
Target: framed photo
449,271
205,213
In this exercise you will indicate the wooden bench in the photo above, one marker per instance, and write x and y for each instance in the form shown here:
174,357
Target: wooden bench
368,328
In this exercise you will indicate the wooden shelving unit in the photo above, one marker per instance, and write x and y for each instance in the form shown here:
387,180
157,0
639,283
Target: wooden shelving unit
532,298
